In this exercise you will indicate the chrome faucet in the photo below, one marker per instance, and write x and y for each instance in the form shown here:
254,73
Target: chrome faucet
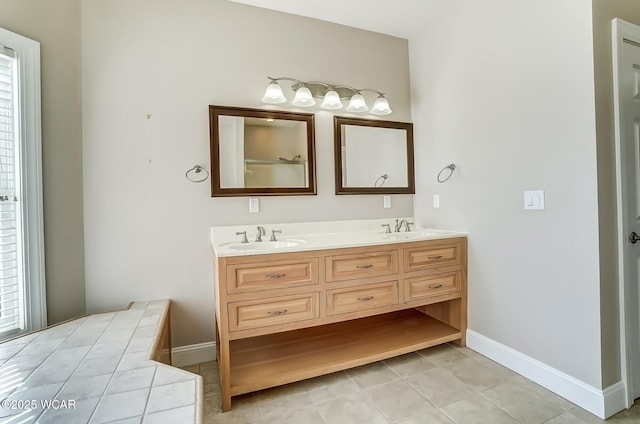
398,226
244,236
273,235
261,232
388,230
406,223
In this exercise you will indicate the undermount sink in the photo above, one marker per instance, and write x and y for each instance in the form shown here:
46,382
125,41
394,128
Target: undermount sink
412,235
263,245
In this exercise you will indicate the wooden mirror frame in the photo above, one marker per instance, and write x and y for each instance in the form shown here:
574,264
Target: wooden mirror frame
339,122
217,191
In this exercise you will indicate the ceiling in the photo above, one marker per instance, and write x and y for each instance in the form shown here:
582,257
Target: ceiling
400,18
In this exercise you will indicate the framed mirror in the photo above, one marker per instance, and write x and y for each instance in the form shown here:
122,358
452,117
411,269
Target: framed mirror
257,152
373,157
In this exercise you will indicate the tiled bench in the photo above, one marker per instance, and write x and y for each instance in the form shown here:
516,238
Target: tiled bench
102,368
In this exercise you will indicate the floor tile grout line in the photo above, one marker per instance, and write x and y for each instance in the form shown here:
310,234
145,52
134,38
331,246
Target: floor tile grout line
415,391
501,409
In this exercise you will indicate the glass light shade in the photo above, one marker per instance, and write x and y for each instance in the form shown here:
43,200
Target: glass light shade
357,104
303,98
381,107
273,94
331,101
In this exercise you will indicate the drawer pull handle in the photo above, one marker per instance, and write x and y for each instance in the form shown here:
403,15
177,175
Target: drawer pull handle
276,313
435,257
364,266
365,299
274,276
435,286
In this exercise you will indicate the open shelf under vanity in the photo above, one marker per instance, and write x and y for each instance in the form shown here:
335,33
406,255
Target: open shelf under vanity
275,359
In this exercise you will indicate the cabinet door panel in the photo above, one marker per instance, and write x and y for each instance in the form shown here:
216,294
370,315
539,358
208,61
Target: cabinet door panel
361,265
271,275
340,301
418,258
420,288
279,310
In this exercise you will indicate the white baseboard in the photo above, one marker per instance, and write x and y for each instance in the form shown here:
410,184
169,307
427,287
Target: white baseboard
615,399
602,403
182,356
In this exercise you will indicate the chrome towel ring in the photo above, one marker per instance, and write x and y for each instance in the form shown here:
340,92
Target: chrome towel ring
450,167
191,174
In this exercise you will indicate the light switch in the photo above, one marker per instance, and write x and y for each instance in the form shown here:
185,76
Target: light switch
254,205
387,202
436,201
534,200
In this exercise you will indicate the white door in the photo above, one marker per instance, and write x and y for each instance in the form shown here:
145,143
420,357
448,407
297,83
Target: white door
630,97
628,144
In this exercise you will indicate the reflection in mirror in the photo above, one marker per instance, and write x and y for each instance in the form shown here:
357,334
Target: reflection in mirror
373,157
260,152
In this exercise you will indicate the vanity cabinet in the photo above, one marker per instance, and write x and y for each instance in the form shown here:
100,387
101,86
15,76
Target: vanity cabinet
284,317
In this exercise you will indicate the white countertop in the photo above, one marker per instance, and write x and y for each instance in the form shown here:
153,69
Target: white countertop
100,366
297,237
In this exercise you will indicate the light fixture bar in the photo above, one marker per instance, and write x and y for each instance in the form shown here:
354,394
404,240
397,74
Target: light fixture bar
332,95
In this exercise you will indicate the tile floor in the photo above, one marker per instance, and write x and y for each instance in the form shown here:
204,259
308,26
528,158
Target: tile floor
441,385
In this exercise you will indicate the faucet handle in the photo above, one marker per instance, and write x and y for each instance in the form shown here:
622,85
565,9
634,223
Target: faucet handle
407,228
244,236
388,231
273,234
261,232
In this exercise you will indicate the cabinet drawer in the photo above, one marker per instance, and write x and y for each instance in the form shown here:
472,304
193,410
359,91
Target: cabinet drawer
252,277
360,265
340,301
418,258
278,310
419,288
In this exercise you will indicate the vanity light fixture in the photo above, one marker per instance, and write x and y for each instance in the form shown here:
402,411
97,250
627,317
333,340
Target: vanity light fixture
303,97
332,96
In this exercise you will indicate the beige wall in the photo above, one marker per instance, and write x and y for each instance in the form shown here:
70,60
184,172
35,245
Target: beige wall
146,226
56,25
507,95
603,12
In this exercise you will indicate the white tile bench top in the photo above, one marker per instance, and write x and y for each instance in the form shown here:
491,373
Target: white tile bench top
97,369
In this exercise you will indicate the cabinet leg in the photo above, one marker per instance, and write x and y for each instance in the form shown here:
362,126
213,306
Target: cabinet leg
226,403
461,342
224,369
217,342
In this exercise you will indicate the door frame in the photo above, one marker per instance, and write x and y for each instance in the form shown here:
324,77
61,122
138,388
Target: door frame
622,30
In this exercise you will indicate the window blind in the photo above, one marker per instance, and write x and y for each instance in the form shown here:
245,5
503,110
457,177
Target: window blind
11,289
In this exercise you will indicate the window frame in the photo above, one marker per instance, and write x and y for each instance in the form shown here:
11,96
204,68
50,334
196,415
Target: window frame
30,146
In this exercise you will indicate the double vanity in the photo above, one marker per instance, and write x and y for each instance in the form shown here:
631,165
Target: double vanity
316,298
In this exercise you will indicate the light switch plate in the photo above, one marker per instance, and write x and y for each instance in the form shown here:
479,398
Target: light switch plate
534,200
386,202
254,205
436,201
